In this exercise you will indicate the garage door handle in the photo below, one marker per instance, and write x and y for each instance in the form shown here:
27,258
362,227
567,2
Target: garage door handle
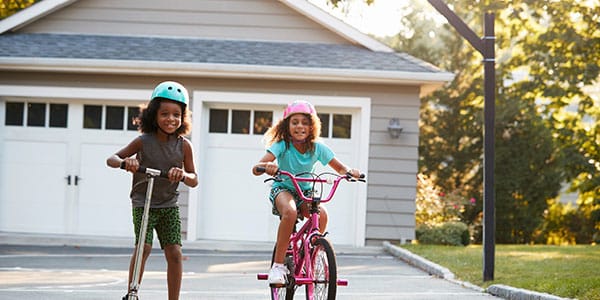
68,178
77,178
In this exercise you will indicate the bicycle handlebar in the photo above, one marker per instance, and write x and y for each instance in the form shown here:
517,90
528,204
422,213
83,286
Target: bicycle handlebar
316,178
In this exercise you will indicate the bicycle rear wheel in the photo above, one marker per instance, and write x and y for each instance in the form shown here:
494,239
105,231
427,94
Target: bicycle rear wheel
324,272
284,292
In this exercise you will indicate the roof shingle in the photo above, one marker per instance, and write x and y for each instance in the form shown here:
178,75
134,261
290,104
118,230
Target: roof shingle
303,55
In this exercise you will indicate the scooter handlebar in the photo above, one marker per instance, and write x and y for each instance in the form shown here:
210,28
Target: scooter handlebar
149,171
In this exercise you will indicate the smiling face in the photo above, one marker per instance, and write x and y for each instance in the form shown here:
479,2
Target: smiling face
168,117
300,127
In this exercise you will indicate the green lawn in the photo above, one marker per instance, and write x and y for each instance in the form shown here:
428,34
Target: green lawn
565,271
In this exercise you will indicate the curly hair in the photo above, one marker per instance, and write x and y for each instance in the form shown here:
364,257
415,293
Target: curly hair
280,131
146,120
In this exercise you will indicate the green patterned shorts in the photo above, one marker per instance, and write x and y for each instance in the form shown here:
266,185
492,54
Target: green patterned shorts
165,221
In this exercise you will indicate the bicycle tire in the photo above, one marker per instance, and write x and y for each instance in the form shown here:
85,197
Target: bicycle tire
287,291
324,271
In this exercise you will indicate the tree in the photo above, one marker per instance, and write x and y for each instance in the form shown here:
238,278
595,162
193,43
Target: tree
529,168
9,7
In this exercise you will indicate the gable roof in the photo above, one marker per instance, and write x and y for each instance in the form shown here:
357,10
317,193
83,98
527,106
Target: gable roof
368,60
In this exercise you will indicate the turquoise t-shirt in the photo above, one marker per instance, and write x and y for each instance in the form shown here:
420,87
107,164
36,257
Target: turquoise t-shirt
289,159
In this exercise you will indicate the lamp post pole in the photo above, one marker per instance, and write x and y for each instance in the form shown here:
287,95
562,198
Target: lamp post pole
485,46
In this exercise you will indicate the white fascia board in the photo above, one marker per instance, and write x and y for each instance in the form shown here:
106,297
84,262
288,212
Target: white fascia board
71,92
31,14
336,25
223,71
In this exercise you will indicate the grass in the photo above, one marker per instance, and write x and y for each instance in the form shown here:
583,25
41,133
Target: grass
565,271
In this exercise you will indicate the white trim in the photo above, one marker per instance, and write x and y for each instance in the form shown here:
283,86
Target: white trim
132,67
32,13
74,92
362,103
334,24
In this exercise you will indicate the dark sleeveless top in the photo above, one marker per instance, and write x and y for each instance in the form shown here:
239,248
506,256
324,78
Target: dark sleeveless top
159,155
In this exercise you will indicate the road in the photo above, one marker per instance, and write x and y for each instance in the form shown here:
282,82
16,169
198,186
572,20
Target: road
71,272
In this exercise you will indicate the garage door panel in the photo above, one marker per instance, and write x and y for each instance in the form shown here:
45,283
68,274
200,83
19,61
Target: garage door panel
104,206
33,187
234,203
240,199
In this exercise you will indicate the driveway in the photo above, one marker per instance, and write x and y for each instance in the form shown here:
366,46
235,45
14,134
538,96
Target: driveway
212,270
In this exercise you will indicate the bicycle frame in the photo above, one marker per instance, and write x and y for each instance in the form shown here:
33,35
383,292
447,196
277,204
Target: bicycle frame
304,240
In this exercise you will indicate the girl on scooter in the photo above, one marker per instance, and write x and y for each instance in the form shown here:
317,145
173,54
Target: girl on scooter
163,123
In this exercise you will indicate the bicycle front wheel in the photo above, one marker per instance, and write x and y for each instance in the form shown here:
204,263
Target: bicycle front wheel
324,270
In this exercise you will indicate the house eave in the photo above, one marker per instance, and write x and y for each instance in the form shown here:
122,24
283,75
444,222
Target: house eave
426,80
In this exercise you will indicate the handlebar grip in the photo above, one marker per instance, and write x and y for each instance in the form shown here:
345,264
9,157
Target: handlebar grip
260,169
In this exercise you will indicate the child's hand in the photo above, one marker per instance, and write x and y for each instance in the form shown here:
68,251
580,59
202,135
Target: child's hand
175,174
131,164
354,173
271,168
265,167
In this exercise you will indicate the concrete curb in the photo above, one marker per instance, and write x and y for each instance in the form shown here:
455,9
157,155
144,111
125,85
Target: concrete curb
499,290
508,292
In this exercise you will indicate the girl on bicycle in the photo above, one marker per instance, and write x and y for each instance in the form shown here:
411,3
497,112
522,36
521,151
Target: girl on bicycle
162,145
294,143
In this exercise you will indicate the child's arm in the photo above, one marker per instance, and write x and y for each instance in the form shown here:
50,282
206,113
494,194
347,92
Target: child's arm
268,163
190,178
124,155
342,169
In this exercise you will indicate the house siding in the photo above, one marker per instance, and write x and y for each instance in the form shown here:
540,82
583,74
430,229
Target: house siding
393,167
215,19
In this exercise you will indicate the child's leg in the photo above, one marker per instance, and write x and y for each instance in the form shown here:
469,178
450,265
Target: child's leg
174,270
286,206
147,250
323,218
168,230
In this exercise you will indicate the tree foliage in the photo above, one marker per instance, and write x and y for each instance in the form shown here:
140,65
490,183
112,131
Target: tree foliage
9,7
546,123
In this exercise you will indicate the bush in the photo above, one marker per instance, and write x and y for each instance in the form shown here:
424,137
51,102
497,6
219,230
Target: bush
450,233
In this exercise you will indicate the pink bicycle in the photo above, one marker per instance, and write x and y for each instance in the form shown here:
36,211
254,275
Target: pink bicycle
310,257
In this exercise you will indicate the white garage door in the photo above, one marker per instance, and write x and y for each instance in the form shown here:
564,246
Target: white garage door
232,203
54,177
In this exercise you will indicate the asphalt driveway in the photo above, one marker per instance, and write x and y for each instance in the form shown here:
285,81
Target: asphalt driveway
211,271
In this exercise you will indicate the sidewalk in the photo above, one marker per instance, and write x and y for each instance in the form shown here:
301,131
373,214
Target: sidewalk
418,262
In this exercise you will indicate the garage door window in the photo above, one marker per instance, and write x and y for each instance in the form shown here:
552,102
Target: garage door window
240,121
36,114
336,125
112,117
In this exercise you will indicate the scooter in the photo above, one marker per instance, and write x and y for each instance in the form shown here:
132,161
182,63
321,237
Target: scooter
137,267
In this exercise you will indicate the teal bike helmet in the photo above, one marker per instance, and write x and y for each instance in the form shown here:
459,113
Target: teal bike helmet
171,90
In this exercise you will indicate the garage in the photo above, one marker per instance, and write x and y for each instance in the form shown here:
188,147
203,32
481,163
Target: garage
54,177
230,203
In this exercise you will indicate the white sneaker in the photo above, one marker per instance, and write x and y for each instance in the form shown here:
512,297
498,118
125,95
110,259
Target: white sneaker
277,274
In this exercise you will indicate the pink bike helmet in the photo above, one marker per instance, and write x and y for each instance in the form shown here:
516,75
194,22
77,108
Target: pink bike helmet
299,107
